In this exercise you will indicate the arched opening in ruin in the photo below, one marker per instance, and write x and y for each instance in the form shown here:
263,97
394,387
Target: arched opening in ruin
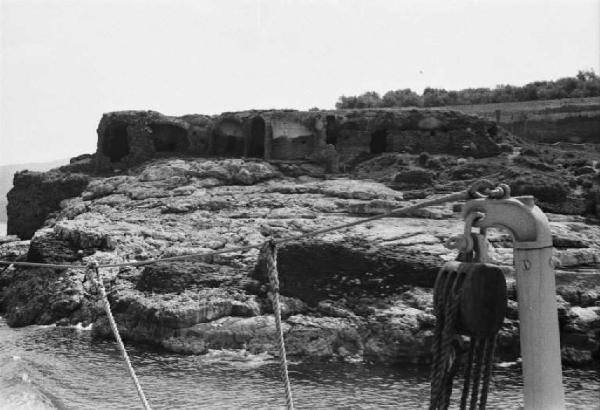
115,145
257,138
379,141
229,138
234,145
332,130
169,138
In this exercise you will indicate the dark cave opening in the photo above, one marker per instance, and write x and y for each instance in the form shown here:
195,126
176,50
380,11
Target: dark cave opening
332,130
234,145
379,141
115,144
169,138
230,139
257,138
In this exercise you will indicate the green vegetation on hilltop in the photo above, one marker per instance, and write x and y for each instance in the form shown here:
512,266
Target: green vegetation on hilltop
584,84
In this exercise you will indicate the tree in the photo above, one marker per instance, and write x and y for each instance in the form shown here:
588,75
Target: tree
585,84
346,102
370,99
435,97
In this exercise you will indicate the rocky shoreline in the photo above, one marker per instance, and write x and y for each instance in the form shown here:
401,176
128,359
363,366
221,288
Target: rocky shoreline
359,295
162,186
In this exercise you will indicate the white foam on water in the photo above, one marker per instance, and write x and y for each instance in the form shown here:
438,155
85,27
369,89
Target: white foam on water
80,326
239,358
46,326
509,364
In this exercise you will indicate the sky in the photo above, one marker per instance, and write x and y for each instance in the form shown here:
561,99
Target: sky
65,62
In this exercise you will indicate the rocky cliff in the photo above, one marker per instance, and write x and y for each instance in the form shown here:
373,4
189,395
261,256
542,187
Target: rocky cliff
360,294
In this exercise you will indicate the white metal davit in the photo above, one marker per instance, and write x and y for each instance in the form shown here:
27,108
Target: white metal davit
536,293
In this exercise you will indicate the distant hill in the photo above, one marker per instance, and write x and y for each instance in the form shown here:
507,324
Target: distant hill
6,178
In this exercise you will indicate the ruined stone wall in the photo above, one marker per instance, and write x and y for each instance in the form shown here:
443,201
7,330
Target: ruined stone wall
415,131
574,129
131,137
291,139
126,138
575,120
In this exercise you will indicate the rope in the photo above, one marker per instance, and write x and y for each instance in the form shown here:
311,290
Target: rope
490,346
269,250
97,280
437,366
458,196
451,313
445,362
479,349
467,382
444,366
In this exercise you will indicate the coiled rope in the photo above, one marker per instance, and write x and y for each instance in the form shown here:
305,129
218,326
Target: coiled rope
97,280
269,252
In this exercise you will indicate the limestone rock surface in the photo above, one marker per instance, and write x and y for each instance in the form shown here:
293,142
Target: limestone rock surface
363,293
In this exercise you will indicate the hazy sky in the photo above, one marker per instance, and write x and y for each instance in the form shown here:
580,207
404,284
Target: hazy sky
65,62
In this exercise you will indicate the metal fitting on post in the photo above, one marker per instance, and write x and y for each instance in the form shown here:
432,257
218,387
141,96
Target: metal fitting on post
536,291
519,215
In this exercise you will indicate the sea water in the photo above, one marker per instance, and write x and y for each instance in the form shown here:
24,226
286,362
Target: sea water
47,367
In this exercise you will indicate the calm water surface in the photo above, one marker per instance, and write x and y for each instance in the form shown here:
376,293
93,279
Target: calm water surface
64,368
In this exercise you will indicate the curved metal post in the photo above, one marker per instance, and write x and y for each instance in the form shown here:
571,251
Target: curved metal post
536,292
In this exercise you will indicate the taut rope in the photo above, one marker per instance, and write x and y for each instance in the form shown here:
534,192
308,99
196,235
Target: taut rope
475,191
97,280
269,251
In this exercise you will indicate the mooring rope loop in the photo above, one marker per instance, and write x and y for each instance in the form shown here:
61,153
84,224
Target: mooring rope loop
480,189
94,269
269,251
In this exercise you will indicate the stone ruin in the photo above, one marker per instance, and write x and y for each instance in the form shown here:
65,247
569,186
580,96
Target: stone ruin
126,138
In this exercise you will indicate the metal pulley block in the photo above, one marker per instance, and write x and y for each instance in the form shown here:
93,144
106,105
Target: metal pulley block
480,292
483,300
479,287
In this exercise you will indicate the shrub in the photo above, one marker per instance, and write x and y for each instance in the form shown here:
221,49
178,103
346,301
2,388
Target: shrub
414,178
544,187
